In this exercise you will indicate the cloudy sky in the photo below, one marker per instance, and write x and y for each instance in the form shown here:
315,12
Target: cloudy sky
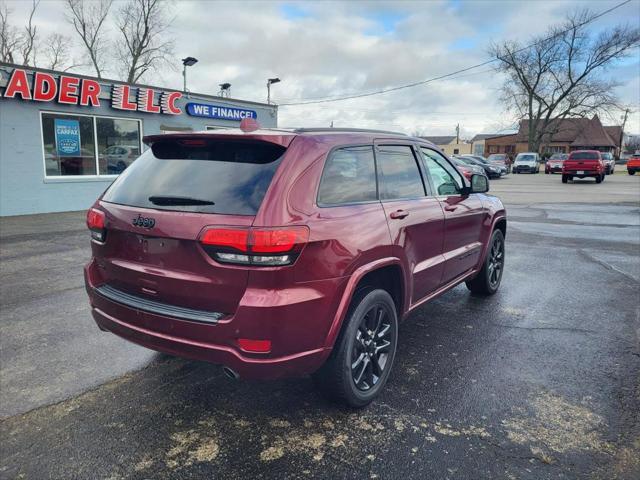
325,49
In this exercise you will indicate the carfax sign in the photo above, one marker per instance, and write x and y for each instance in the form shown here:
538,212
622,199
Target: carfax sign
219,112
67,137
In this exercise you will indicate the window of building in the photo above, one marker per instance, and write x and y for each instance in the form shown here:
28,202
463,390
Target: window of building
398,173
456,151
446,179
84,145
493,149
555,149
349,176
118,144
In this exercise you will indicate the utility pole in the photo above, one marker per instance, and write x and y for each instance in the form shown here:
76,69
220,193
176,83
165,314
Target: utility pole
457,133
624,122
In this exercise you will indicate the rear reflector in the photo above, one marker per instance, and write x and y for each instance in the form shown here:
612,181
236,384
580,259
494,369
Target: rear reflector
254,346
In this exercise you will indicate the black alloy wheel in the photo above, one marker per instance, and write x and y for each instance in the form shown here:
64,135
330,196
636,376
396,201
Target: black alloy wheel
496,262
362,357
487,280
371,346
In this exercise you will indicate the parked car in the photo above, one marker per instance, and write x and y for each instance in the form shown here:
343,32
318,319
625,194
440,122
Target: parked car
583,164
119,157
302,261
633,164
500,159
527,162
501,167
554,163
467,169
491,171
609,162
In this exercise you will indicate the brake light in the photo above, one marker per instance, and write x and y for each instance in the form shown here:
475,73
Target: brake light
95,222
255,246
254,346
279,240
227,237
193,143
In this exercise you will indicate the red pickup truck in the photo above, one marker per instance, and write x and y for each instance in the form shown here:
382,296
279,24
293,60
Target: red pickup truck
633,165
583,164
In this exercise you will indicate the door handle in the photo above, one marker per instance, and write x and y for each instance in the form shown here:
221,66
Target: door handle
450,208
399,214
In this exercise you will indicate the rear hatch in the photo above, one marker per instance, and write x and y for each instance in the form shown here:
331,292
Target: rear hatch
157,209
582,161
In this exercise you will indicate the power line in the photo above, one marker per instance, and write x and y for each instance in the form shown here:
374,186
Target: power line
447,75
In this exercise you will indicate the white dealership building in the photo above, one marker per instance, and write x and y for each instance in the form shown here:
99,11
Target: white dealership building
64,138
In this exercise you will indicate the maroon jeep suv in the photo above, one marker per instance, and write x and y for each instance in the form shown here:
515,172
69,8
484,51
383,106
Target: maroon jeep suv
288,252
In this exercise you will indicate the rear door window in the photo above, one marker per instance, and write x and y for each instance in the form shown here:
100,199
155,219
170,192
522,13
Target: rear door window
398,173
205,176
349,176
584,156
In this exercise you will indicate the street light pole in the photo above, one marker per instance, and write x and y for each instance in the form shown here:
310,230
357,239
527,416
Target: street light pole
187,62
269,82
184,78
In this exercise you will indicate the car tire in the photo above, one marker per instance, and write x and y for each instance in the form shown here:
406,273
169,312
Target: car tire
599,178
362,329
565,179
631,172
488,279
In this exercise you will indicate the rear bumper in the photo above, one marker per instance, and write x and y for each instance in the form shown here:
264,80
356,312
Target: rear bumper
585,174
297,323
524,169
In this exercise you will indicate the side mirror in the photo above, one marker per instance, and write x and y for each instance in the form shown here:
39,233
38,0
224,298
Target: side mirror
479,184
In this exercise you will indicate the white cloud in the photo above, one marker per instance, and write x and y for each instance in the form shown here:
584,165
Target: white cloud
333,48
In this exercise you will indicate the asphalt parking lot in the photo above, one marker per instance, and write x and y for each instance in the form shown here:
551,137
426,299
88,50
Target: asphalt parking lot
540,381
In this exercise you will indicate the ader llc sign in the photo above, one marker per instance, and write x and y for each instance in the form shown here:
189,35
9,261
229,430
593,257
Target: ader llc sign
218,112
86,92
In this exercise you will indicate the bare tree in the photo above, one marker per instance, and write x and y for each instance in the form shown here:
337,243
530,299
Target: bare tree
9,36
57,55
144,45
16,46
29,38
88,20
562,74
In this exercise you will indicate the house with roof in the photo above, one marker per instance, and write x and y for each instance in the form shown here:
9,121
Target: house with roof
565,135
477,142
450,144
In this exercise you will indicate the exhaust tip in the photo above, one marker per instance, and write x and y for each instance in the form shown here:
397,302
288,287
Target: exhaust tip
230,373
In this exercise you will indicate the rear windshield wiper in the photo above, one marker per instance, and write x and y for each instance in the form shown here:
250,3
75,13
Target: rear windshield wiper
171,200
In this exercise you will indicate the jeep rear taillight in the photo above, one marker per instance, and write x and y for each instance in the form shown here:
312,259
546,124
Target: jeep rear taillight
255,246
95,222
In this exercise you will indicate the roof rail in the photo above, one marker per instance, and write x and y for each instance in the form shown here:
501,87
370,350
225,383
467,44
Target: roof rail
345,130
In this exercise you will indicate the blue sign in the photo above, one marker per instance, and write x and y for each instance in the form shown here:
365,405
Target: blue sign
218,112
67,137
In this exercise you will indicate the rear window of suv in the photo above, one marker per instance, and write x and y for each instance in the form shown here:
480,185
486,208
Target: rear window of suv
204,176
584,156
